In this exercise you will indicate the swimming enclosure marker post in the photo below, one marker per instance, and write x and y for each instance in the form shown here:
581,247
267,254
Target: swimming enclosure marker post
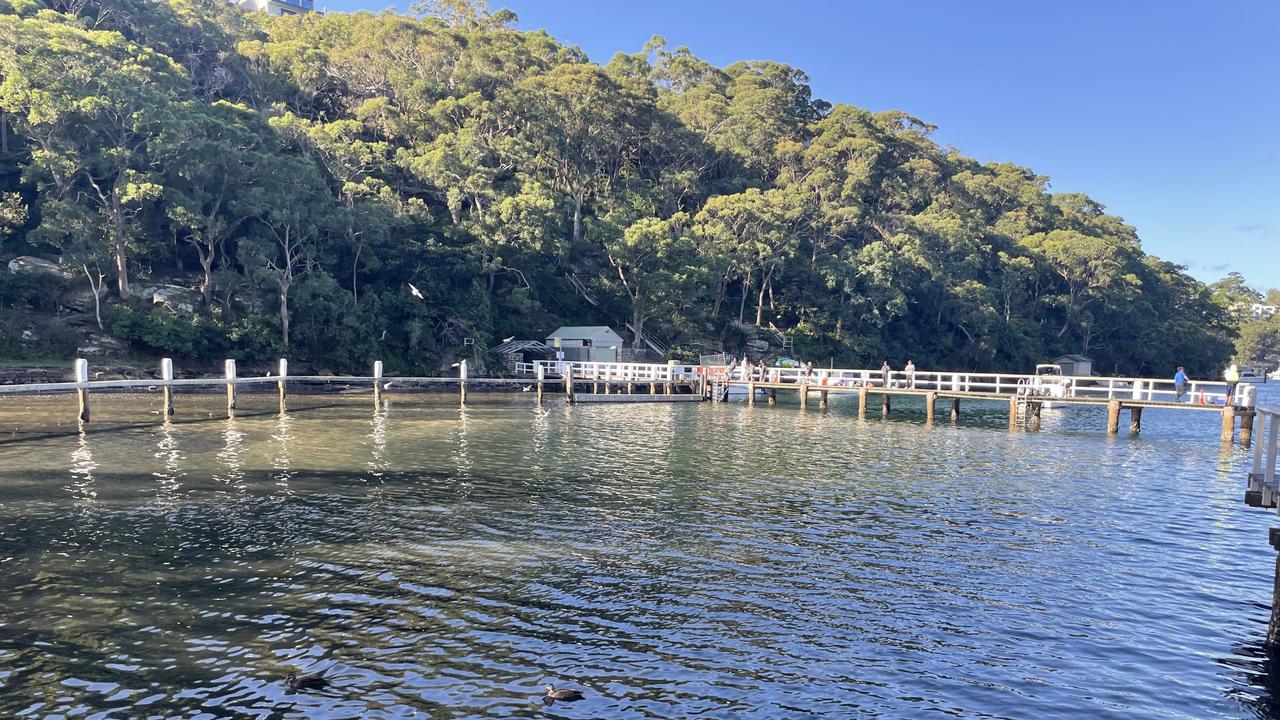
462,383
229,370
377,383
82,393
282,372
166,376
540,372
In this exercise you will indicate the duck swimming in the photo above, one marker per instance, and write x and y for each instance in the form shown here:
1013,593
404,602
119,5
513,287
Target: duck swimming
312,681
563,694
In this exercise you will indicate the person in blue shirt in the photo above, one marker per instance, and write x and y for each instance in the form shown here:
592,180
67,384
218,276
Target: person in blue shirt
1179,384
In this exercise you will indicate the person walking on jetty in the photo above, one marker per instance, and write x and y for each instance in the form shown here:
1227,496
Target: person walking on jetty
885,371
1232,376
910,370
1179,384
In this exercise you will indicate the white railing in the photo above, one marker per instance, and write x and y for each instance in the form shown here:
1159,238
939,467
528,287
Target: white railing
1266,455
1083,387
611,372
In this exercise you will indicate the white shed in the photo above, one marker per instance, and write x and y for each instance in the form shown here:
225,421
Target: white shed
1077,365
588,343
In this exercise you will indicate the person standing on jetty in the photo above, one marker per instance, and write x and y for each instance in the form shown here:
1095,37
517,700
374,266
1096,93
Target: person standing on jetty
1179,384
1232,376
885,370
910,370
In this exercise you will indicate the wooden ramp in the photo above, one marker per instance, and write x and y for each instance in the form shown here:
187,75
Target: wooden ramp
637,398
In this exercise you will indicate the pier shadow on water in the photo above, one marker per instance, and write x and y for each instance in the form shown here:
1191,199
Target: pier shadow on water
671,561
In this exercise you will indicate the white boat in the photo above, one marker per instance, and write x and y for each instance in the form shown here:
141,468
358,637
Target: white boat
1049,383
1252,375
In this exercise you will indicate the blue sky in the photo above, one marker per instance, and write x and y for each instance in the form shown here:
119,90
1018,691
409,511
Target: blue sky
1166,112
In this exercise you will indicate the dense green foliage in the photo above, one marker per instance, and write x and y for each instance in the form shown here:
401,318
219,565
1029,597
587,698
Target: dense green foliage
300,172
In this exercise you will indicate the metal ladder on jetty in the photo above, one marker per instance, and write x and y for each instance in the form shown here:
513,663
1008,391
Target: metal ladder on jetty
1024,403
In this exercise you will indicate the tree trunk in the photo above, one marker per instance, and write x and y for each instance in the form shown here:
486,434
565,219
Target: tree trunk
637,326
284,313
764,285
355,266
4,132
742,301
117,231
97,299
577,221
720,292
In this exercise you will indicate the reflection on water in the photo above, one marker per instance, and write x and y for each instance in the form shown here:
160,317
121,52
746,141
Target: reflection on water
671,560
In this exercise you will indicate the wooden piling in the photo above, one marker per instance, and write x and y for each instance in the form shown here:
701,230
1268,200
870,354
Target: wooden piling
929,401
166,376
955,409
1246,426
462,383
862,403
229,370
1113,417
1035,415
804,395
282,372
773,396
751,394
1013,411
884,407
1135,419
1228,423
82,393
377,383
568,383
1273,627
822,399
653,387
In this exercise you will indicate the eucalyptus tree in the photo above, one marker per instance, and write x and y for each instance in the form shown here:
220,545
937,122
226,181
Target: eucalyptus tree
94,106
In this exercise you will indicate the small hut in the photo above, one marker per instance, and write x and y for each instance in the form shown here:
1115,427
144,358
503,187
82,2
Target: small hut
1077,365
513,352
586,343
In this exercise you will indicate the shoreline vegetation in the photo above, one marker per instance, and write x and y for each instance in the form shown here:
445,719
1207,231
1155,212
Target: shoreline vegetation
218,184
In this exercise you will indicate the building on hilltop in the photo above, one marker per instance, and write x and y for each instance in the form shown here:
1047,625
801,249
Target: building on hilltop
277,7
1255,311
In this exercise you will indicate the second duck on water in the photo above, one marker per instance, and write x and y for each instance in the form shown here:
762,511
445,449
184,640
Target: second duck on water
563,694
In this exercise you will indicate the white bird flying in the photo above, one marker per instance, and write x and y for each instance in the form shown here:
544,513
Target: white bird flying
414,291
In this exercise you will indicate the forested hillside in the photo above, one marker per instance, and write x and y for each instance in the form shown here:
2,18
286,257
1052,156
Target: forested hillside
298,173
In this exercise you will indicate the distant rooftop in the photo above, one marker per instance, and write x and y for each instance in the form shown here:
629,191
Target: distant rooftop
277,7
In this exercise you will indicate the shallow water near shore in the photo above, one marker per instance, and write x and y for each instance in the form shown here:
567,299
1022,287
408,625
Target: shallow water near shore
672,561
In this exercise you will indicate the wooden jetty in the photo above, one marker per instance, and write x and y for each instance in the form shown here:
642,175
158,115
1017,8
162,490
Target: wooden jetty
1263,491
596,382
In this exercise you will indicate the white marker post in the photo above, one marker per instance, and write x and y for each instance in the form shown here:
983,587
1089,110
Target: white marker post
166,377
82,393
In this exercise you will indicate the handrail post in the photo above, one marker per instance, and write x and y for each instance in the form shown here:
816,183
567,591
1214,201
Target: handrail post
462,383
1273,436
1257,448
229,370
82,392
166,390
282,372
377,383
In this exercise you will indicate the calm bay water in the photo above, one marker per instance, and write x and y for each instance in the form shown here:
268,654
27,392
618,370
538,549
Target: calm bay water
673,561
